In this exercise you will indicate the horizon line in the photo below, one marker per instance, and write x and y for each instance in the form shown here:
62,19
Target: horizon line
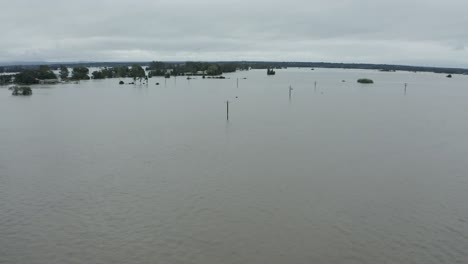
38,63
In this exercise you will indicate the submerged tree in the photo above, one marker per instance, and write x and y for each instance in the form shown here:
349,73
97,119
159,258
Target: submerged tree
137,72
27,77
63,72
80,73
98,75
22,90
44,72
32,76
120,71
214,70
365,81
7,78
156,68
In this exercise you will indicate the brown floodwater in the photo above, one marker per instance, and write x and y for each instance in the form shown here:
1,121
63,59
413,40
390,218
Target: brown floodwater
343,172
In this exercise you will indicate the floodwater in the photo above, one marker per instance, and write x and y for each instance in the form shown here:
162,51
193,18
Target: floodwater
343,172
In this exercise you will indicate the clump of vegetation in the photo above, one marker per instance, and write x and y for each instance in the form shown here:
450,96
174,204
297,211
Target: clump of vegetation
22,90
365,81
27,77
270,71
6,79
156,68
33,76
121,82
201,68
98,75
63,72
120,72
136,71
80,73
44,73
214,70
112,72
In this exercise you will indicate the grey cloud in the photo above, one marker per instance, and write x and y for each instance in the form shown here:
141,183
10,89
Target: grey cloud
409,32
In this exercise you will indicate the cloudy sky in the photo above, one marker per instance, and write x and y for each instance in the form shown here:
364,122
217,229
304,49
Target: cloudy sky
415,32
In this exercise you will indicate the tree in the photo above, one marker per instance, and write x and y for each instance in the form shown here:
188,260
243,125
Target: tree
44,72
157,65
229,67
156,68
121,71
137,71
63,72
194,67
107,72
214,70
98,75
27,77
32,76
80,73
7,78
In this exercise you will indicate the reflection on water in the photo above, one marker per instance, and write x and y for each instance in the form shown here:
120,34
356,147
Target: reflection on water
98,172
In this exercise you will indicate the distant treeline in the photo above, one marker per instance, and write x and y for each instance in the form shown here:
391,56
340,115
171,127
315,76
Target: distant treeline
164,69
228,66
383,67
10,69
32,74
135,71
156,68
36,74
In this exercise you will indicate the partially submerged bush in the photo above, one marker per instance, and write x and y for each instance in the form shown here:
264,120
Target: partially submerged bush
24,90
366,81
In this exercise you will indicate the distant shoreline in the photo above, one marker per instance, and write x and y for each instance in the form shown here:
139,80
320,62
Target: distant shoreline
256,65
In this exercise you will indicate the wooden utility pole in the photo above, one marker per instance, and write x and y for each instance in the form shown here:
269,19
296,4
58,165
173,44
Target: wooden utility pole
227,110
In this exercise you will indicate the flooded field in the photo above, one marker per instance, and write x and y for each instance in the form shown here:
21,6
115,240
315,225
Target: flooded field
335,172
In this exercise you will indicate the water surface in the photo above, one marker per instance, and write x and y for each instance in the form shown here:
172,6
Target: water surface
98,172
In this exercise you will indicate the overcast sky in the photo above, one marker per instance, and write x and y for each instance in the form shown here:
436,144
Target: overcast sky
415,32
